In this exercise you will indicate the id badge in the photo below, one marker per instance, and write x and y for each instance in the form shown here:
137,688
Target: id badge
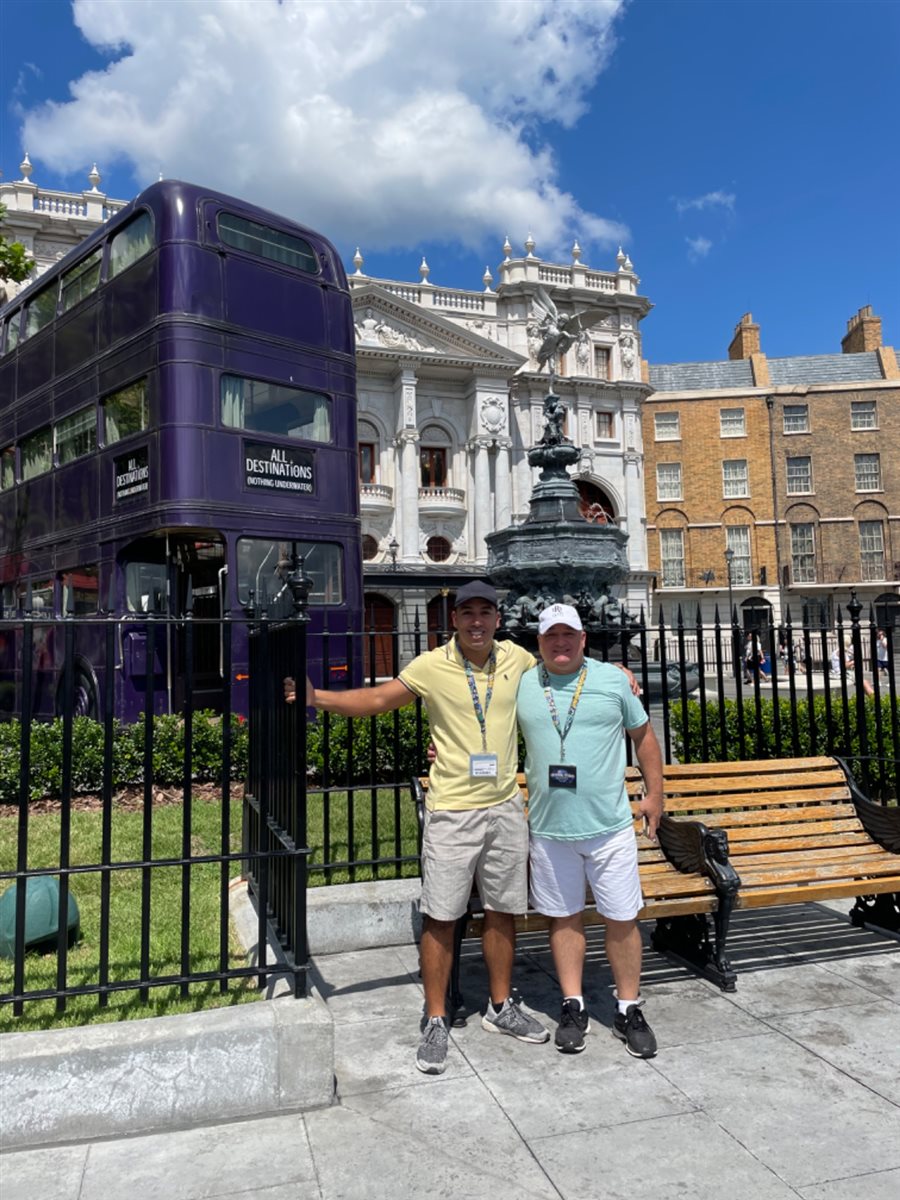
561,775
482,766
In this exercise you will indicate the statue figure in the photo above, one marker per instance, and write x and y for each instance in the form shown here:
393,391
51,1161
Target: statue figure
554,417
557,331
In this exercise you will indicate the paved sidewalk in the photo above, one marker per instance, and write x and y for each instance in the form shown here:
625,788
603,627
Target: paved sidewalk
790,1087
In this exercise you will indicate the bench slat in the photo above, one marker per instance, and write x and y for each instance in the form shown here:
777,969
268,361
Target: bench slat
745,858
763,897
860,870
777,816
760,844
759,800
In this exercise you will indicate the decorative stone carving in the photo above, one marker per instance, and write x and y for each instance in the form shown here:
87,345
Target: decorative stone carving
627,354
493,414
373,330
583,352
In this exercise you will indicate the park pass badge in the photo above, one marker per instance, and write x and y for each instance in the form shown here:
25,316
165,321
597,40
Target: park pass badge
562,776
482,766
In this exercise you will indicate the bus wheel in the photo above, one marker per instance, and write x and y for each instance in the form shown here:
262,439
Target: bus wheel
84,694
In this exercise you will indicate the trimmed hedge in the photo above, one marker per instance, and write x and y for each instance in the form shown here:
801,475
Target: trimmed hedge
127,755
830,734
393,760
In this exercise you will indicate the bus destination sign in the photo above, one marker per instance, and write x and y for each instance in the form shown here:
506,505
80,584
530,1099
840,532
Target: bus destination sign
132,474
279,468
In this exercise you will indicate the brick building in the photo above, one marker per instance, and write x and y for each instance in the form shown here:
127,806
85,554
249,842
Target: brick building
792,465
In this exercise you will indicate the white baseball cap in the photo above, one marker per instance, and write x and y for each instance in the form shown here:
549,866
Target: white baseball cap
559,614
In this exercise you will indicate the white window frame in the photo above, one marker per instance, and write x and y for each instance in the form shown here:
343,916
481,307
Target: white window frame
803,552
736,483
858,408
737,539
606,415
863,478
672,564
798,413
671,488
795,491
663,435
871,550
732,422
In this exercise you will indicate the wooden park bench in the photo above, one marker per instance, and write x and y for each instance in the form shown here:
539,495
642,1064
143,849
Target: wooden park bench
742,835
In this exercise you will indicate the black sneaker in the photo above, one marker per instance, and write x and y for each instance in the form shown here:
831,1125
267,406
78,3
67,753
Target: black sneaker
573,1025
432,1055
634,1031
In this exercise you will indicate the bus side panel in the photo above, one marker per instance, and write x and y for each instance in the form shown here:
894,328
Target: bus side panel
289,307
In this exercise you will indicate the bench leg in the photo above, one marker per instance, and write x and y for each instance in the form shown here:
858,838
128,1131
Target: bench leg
883,911
456,1015
687,939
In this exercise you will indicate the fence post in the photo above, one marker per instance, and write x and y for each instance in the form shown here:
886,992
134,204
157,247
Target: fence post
300,584
855,608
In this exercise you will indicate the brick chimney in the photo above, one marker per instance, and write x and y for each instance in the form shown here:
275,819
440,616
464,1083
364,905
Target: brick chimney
863,332
746,338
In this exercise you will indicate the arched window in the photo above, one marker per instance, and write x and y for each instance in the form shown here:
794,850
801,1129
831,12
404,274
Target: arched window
367,436
434,457
369,547
438,549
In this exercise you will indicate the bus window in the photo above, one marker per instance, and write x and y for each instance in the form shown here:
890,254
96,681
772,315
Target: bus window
76,435
275,409
7,468
81,587
130,244
37,453
83,279
42,597
264,242
12,331
125,412
40,311
263,566
145,586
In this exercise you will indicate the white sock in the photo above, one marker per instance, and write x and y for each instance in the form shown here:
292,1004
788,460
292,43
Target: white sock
580,1000
624,1005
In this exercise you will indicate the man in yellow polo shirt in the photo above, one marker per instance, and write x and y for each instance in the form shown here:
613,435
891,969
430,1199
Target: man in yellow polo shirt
475,824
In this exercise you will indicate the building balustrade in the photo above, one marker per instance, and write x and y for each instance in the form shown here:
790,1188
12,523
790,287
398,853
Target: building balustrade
376,497
436,500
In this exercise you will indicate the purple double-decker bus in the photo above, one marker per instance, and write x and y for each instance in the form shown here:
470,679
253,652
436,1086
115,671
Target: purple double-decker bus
177,417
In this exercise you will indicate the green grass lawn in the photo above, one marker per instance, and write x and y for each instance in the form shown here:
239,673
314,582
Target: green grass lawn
379,811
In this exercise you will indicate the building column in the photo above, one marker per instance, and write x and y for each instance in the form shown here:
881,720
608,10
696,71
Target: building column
480,448
408,441
633,519
503,484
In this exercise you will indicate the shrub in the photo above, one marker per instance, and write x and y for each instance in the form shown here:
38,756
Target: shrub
388,765
88,749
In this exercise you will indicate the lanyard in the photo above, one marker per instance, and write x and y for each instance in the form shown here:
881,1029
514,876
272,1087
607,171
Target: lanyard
481,713
551,704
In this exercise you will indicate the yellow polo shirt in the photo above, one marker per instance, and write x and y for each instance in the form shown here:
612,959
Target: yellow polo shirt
439,677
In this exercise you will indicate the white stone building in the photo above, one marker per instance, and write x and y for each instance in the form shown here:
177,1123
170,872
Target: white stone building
450,401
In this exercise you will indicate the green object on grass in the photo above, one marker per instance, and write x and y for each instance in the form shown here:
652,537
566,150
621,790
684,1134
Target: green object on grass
41,916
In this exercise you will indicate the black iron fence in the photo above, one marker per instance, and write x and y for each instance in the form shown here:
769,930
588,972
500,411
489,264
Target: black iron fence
325,800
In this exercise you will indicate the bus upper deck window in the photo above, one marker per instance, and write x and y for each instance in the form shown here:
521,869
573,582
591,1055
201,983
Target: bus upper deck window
7,468
83,279
37,453
76,435
130,243
275,409
125,412
12,331
40,311
265,242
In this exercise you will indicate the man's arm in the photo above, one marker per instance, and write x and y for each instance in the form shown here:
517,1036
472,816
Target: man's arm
649,758
358,702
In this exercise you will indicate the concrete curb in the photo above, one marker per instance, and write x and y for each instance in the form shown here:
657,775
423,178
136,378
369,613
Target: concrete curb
363,916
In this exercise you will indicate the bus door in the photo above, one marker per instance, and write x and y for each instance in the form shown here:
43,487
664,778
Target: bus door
200,561
145,569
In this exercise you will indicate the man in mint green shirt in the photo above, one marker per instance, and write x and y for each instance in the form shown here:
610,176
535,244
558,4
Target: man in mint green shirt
573,712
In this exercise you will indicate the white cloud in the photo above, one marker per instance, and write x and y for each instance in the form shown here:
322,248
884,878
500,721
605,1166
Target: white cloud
698,247
710,200
384,122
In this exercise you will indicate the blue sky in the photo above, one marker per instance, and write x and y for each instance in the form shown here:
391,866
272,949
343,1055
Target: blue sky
745,153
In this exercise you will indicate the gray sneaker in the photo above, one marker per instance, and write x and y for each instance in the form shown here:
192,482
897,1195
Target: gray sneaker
510,1019
432,1056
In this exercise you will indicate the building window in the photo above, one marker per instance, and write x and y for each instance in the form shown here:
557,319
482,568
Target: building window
76,435
125,412
37,453
601,362
366,462
868,472
863,414
668,481
433,461
438,549
667,426
796,418
369,547
871,549
7,468
731,422
803,553
130,244
671,555
737,538
735,481
799,475
605,425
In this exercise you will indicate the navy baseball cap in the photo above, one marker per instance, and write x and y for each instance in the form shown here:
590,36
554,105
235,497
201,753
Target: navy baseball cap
478,589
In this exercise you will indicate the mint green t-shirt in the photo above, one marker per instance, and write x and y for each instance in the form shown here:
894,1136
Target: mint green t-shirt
595,745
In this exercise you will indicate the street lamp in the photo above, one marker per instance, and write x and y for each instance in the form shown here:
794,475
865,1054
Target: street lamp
729,558
393,547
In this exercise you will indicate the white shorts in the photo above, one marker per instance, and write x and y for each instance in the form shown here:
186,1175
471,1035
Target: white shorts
608,863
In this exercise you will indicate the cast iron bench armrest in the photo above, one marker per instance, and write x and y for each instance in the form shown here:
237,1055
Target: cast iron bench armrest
695,850
881,823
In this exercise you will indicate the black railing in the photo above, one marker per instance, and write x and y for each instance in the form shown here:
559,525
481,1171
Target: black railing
326,801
